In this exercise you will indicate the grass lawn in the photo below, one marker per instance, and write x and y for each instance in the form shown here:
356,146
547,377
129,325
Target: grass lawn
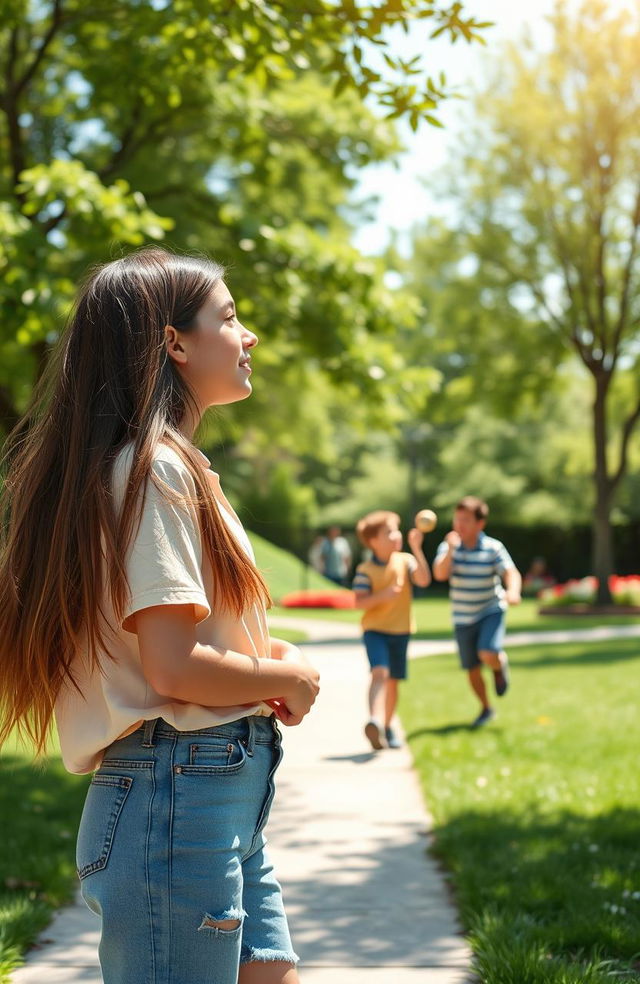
537,816
283,571
433,617
40,809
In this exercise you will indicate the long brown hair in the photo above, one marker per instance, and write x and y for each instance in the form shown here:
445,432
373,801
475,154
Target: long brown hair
110,382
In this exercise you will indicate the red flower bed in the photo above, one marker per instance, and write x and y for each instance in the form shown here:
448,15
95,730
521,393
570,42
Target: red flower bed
624,591
326,598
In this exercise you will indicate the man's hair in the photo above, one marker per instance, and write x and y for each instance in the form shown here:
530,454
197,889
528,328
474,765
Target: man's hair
371,524
474,505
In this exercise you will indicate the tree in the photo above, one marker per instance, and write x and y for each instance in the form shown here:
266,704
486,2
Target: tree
104,108
549,201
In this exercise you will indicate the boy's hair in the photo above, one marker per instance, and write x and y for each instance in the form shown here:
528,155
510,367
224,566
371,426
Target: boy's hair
369,526
474,505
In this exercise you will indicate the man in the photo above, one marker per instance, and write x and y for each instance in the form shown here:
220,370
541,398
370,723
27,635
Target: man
336,556
483,582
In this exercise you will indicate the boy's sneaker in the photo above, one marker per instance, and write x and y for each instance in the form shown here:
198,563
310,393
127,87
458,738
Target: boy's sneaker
501,676
486,714
392,739
373,731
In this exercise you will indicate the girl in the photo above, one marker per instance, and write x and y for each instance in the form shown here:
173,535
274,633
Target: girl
131,608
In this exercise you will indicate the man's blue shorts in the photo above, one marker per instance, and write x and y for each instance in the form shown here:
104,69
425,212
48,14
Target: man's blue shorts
388,649
485,634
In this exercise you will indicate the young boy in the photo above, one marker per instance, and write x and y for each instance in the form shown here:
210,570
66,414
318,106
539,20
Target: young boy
476,566
383,589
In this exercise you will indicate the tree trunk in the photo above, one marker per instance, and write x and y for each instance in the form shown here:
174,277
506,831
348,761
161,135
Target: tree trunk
602,550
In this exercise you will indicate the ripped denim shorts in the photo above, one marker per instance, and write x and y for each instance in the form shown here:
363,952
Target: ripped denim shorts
171,843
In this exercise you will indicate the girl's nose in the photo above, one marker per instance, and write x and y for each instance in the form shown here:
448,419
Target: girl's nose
249,340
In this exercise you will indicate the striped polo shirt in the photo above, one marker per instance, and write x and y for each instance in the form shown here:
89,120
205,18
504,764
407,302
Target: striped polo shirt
475,582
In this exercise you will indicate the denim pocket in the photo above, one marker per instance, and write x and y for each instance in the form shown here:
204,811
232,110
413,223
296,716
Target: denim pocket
214,757
102,809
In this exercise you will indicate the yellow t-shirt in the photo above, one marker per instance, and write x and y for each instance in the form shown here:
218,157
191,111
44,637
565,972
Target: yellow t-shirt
393,616
165,565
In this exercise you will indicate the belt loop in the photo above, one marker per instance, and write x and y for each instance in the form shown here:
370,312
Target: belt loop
251,734
149,731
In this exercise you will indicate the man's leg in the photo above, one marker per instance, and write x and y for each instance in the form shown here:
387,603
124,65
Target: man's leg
490,651
467,640
477,685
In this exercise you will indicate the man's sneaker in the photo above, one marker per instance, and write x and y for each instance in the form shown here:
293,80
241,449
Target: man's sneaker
373,731
392,739
501,676
487,714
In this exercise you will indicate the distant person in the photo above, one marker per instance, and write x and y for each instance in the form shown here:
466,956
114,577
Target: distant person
336,556
537,578
383,589
476,566
314,555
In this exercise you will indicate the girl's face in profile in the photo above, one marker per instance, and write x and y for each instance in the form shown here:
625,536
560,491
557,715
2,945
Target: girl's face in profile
215,357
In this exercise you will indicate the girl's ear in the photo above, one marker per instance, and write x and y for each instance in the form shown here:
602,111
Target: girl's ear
173,345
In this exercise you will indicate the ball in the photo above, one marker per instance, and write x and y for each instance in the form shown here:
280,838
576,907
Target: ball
426,520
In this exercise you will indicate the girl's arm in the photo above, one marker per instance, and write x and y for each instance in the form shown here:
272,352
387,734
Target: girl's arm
179,667
281,649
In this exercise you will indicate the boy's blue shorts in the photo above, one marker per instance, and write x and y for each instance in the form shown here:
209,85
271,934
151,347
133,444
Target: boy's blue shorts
388,649
485,634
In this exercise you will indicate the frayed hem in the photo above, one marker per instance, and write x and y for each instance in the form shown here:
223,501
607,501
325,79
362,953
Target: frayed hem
265,955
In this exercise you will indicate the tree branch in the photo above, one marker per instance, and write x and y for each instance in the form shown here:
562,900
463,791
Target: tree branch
627,430
10,107
626,279
130,143
56,21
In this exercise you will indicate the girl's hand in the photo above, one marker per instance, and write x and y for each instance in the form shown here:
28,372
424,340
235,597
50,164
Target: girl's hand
290,710
415,538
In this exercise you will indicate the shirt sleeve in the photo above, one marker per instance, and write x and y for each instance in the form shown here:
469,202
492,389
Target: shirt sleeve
442,549
412,563
361,581
164,560
503,559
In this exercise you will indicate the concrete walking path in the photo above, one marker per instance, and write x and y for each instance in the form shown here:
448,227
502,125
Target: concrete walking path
348,834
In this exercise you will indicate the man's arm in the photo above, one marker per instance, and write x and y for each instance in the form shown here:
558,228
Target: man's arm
442,564
513,584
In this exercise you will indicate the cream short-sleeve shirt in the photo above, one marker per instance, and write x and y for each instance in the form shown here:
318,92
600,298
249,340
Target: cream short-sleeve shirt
166,565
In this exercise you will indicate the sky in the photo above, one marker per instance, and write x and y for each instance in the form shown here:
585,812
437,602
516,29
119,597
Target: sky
404,195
